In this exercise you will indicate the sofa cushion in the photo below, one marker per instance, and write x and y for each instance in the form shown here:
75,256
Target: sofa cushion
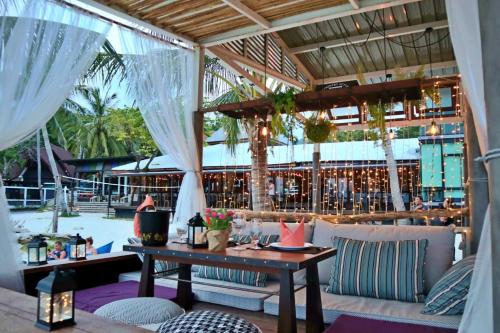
386,269
162,267
336,305
257,279
217,292
439,254
239,276
449,294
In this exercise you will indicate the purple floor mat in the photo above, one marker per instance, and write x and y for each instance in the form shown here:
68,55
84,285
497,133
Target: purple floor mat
93,298
350,324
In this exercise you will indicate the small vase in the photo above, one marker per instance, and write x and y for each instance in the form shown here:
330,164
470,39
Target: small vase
217,240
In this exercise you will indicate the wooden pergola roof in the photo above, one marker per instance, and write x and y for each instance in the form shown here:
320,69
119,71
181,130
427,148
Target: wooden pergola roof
282,38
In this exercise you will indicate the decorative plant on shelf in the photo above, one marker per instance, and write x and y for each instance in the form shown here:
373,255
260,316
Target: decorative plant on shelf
218,223
284,103
318,129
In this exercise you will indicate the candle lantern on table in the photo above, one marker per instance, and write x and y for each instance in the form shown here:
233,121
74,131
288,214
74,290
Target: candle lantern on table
56,306
196,231
37,251
77,248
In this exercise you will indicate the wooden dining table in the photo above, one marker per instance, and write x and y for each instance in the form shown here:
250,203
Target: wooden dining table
284,263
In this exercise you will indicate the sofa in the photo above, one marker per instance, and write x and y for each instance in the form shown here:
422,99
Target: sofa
439,257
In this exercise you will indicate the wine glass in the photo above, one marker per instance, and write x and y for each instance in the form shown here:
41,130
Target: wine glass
256,229
181,232
238,226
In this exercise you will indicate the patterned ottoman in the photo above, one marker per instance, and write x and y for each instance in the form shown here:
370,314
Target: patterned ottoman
140,311
208,322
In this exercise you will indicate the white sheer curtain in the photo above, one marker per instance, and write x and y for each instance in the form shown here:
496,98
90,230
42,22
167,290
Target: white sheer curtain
44,49
463,18
162,80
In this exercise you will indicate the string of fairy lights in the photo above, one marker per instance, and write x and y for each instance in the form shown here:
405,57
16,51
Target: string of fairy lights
354,184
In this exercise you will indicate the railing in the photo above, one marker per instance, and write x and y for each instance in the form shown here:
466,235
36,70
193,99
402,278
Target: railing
22,196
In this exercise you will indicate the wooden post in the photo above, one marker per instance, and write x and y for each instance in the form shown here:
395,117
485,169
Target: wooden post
316,175
489,27
198,118
477,182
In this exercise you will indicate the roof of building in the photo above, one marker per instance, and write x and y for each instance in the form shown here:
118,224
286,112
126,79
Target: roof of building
218,156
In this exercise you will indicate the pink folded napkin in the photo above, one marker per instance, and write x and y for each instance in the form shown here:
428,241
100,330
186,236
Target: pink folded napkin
292,237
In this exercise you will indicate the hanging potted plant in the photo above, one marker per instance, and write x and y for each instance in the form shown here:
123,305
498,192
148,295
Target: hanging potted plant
218,223
318,129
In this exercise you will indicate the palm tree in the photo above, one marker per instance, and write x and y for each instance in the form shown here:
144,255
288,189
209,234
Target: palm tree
257,143
92,129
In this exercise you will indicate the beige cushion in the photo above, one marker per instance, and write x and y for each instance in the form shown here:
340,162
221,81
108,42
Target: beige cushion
336,305
439,253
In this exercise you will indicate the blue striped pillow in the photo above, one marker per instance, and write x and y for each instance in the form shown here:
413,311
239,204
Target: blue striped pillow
162,267
250,278
448,295
386,269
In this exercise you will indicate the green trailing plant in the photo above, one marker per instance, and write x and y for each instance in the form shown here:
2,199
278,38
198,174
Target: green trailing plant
318,129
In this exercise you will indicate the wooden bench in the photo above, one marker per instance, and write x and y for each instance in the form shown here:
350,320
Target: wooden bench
18,314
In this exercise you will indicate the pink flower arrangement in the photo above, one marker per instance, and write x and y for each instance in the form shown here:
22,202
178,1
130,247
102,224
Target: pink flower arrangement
218,219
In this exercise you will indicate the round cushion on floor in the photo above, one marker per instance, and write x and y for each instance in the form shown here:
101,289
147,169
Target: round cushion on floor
208,322
140,310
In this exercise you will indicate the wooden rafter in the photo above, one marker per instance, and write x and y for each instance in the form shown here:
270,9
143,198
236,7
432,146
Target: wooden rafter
355,4
305,18
403,31
286,50
257,66
369,75
251,14
232,65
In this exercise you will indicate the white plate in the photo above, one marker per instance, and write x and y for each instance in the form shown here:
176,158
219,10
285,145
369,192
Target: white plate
278,245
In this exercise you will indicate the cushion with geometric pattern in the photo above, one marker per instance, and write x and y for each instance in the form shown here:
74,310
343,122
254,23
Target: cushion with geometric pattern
208,321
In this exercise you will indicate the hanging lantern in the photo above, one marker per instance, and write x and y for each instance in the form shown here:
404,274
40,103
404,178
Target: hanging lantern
392,135
196,229
77,248
37,251
434,129
56,307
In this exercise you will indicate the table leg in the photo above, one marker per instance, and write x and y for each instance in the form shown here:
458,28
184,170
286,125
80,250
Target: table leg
147,286
314,312
287,322
184,290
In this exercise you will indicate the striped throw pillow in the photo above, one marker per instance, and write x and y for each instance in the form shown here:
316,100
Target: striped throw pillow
387,269
162,267
256,279
448,295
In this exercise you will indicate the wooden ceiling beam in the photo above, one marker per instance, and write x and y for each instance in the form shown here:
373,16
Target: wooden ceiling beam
258,67
130,21
300,65
248,12
404,123
368,75
302,19
355,4
238,70
403,31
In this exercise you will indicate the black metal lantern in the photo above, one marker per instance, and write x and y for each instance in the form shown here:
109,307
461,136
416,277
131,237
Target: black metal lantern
56,301
77,248
196,228
37,251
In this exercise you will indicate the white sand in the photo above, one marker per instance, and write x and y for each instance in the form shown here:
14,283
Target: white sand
96,225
